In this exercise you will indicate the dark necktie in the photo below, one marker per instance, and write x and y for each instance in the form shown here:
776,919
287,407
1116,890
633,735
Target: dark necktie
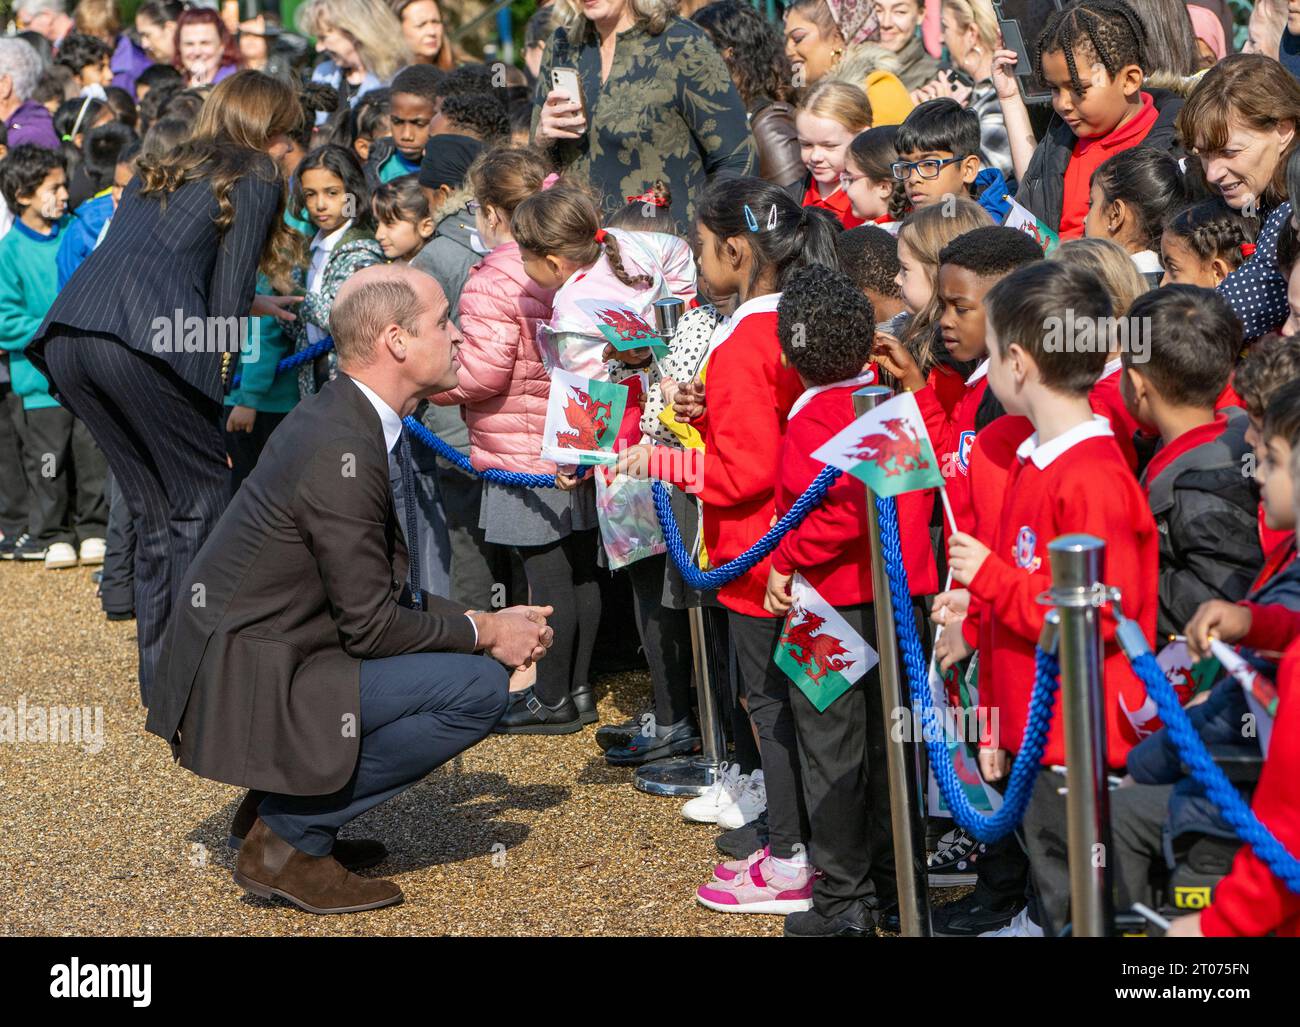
412,520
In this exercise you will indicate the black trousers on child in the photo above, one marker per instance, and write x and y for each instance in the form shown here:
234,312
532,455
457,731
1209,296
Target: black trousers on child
65,478
245,447
846,789
1045,829
766,691
666,636
1137,826
117,583
13,477
563,575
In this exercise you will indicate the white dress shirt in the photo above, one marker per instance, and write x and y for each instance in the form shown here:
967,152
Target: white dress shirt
321,247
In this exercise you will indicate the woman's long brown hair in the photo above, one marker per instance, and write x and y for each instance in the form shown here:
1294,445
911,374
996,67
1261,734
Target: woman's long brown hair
237,123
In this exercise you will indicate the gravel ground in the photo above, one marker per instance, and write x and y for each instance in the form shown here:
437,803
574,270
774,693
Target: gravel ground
520,836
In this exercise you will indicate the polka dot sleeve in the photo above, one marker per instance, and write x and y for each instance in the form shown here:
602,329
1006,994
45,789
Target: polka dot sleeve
1256,291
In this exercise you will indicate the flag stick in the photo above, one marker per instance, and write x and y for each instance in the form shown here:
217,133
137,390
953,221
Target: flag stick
948,514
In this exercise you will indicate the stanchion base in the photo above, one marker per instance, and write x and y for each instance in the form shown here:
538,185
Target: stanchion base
681,775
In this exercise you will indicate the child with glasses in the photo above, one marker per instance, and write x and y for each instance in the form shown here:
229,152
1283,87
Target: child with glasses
939,158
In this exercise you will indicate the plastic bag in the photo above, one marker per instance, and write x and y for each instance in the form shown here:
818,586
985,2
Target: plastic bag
629,526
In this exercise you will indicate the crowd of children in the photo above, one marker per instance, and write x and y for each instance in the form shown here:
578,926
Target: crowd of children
1165,419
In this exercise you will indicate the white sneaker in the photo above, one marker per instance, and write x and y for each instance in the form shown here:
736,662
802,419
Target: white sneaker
92,550
60,555
1020,927
751,801
726,788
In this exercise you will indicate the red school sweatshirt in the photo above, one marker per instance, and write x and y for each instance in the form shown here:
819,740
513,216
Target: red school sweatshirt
1053,490
1088,155
830,548
1251,901
1106,400
952,433
747,394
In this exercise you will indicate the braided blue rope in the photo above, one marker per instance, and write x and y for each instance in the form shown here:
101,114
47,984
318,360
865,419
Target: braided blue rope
296,359
1024,772
719,576
492,474
1239,816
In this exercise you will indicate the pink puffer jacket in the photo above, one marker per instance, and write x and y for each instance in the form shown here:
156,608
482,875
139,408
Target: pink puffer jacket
503,384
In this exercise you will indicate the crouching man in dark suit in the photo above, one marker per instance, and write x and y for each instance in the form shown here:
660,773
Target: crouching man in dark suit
303,660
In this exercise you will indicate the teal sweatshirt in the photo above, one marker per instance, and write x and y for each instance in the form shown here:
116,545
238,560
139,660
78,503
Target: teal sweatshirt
259,386
29,282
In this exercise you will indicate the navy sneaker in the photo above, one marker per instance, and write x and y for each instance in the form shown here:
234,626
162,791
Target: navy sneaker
26,549
682,739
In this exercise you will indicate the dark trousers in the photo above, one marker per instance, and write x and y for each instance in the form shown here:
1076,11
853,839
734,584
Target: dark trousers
563,575
417,712
1045,829
1137,825
13,476
767,690
1002,872
163,441
666,637
65,478
846,789
245,447
117,583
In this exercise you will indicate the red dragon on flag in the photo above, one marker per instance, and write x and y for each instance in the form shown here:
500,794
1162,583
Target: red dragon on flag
895,452
627,324
589,418
818,653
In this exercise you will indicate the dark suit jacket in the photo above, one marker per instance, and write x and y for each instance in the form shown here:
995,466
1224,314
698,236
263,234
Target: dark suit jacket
298,583
159,258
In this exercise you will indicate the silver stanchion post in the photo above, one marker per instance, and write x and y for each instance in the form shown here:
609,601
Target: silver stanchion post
687,775
905,809
1078,563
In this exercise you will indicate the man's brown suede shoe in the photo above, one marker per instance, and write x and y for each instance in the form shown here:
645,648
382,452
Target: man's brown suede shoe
268,865
354,853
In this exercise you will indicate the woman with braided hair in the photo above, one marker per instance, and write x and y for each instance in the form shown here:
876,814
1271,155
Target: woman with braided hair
1093,58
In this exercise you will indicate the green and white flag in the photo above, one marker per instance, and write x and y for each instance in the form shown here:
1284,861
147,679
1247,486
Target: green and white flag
818,650
622,327
582,419
888,448
1023,218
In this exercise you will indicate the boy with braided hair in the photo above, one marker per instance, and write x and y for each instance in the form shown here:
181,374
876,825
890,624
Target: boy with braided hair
1092,57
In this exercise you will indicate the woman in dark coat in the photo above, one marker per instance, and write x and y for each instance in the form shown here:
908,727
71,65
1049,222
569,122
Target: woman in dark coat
138,343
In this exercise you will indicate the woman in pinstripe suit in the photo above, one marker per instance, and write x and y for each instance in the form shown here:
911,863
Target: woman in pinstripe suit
120,344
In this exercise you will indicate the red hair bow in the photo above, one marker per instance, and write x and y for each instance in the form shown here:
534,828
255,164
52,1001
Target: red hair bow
600,235
648,197
1248,249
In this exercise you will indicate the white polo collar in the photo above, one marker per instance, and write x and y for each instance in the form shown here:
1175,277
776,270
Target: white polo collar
867,377
979,372
1043,455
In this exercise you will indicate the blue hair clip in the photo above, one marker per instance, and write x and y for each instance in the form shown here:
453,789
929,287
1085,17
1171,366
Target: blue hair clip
750,220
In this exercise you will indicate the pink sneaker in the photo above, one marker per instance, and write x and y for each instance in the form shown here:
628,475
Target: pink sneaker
761,888
733,868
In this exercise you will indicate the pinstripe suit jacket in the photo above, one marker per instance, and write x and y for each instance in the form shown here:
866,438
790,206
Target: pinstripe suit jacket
298,583
159,258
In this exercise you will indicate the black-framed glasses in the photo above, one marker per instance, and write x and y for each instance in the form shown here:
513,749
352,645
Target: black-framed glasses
928,168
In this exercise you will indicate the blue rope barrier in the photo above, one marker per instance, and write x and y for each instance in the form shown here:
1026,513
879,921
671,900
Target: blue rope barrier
311,352
492,474
1239,816
746,561
1024,772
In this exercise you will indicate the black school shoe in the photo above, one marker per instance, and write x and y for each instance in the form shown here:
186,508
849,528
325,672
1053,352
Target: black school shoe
612,736
528,715
854,922
744,840
585,701
967,918
682,739
952,864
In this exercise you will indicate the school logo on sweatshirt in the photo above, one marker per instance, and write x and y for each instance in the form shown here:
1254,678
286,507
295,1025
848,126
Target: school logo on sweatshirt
1026,543
964,445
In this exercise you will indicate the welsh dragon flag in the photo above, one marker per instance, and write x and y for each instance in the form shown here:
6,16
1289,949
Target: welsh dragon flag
818,650
962,750
1024,219
888,448
582,419
622,327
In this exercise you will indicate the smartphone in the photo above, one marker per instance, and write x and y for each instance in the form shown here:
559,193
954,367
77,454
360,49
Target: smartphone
1011,15
568,80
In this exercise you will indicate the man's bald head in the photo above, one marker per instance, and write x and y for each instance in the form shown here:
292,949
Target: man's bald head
374,299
